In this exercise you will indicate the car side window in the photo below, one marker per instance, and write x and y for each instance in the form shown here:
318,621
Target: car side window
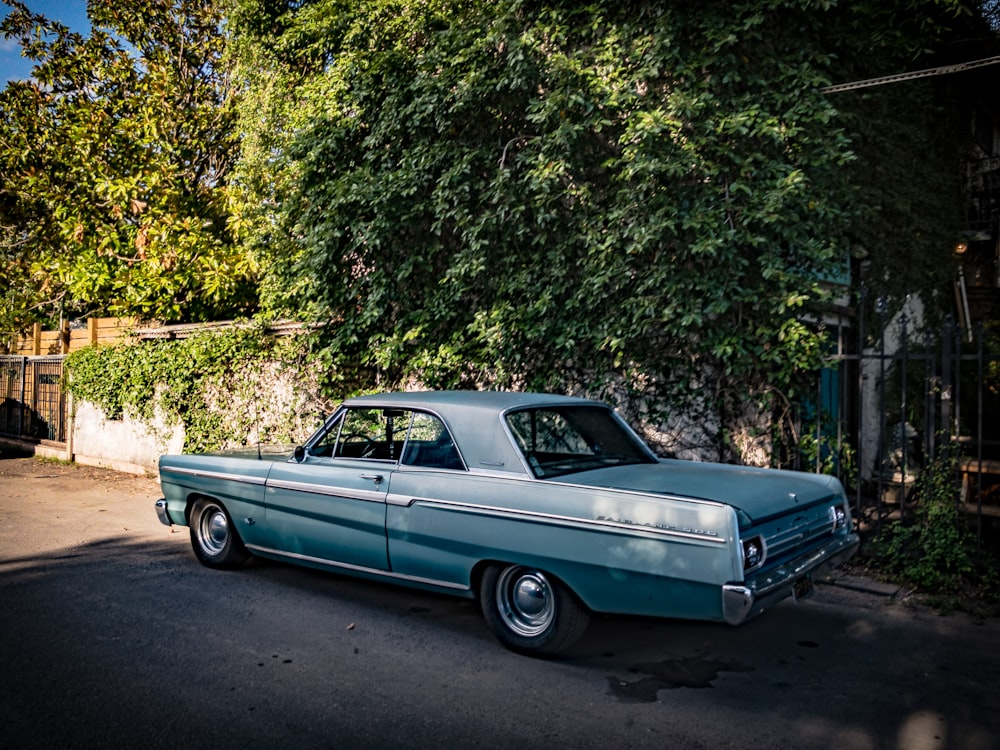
323,446
430,444
377,434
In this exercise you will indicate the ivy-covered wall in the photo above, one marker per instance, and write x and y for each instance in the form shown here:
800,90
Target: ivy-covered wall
238,387
223,389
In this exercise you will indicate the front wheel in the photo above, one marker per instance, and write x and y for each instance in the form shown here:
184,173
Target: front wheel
215,541
529,611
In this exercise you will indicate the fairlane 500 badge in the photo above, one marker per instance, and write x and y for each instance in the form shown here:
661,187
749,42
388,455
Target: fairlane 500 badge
659,526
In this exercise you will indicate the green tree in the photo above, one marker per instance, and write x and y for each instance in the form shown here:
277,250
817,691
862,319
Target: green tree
543,194
114,167
551,195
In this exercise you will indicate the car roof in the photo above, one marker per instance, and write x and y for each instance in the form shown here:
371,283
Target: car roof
475,419
497,401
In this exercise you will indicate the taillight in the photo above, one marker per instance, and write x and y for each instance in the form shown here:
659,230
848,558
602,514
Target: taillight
838,517
754,553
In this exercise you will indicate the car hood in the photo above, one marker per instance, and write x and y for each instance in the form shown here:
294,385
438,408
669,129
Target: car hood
760,493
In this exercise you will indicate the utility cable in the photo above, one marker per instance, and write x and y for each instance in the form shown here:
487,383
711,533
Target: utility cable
927,73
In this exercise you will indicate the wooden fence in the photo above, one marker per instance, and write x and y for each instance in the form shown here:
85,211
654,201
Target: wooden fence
107,331
39,342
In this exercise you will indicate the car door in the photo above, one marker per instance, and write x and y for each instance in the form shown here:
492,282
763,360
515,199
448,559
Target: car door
330,506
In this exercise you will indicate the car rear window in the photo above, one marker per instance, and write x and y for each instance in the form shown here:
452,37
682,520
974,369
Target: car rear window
562,440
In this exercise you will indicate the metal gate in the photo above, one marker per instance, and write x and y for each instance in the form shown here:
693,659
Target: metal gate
33,404
902,399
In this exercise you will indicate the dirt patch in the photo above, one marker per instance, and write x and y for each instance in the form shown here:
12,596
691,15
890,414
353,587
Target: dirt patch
16,464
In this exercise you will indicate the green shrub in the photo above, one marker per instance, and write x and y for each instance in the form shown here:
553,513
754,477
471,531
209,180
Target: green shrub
934,549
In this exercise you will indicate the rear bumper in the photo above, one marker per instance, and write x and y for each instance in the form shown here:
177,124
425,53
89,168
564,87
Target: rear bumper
161,512
741,601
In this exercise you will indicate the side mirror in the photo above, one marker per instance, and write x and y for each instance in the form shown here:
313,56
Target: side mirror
300,454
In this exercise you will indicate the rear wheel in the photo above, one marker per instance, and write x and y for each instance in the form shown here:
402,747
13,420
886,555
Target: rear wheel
215,541
529,611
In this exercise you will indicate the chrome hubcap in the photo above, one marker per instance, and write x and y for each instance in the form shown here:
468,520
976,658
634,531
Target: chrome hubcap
214,531
526,600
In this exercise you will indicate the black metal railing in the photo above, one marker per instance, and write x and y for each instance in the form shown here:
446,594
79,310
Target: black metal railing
903,396
32,399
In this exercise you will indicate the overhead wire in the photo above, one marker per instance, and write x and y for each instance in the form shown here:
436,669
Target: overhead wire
926,73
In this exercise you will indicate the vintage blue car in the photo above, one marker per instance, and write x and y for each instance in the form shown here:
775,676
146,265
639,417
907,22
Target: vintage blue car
545,508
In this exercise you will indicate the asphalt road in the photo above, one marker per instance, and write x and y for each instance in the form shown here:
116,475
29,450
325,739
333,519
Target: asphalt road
112,635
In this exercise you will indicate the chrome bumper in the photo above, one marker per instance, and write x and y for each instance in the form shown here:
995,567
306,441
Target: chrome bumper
741,601
161,512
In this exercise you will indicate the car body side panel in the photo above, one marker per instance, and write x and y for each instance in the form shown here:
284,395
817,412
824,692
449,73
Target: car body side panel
236,482
617,551
327,509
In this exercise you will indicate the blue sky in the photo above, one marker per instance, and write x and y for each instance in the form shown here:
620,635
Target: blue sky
73,13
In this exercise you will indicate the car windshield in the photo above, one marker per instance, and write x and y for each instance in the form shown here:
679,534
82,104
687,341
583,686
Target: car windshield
562,440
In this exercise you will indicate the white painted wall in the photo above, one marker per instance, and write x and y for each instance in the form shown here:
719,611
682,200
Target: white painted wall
128,445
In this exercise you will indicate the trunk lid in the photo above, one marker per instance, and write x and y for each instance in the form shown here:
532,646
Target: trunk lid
759,493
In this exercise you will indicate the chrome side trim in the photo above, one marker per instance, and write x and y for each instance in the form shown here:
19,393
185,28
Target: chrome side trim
506,476
403,501
225,476
371,496
703,535
357,568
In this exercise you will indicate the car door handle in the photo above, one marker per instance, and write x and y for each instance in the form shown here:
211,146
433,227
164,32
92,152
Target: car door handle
377,478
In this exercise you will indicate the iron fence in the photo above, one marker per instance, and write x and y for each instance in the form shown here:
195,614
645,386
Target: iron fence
33,405
904,396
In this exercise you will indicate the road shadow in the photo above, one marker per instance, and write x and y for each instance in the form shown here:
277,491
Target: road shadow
8,451
130,642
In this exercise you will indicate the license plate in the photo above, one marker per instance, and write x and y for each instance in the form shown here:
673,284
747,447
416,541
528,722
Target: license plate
802,588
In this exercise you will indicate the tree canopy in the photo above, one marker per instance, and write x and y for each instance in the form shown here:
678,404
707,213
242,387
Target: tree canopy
114,163
645,197
548,194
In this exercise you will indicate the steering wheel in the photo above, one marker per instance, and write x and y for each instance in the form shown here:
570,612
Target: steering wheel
368,447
